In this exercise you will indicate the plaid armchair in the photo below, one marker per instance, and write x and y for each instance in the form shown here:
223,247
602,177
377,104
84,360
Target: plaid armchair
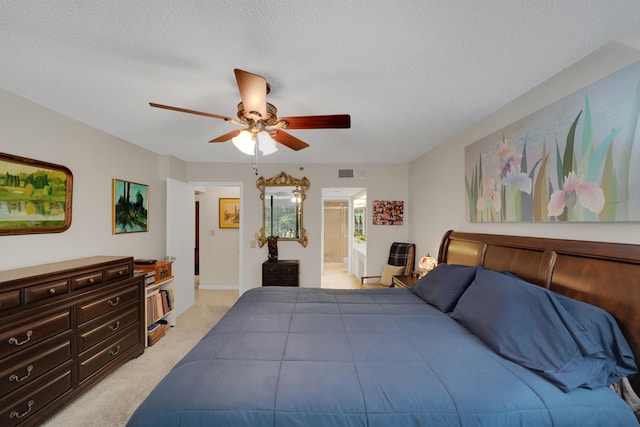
401,262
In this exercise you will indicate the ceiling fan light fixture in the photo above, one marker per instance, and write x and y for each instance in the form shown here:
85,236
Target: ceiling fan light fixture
245,142
266,144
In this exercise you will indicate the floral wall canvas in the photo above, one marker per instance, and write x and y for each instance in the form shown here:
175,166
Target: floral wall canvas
576,160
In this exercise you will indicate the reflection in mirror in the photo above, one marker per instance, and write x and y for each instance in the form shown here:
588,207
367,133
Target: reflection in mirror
360,218
282,214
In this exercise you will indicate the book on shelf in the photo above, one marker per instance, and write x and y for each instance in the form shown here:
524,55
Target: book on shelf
160,302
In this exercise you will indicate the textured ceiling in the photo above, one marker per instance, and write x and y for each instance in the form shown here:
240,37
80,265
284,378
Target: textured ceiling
411,74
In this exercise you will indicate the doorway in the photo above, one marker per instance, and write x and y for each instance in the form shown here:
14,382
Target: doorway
217,253
336,229
337,242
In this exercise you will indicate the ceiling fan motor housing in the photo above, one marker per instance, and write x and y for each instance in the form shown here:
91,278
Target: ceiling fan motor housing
254,116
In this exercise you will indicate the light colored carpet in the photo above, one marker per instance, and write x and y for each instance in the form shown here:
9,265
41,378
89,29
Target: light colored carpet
336,276
111,402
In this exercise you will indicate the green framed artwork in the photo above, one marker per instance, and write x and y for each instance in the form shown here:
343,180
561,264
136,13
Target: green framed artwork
130,207
35,196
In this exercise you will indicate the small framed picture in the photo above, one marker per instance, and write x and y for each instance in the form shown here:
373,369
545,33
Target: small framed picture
388,212
229,213
130,207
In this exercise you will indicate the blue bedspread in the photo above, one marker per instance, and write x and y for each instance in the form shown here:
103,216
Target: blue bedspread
375,357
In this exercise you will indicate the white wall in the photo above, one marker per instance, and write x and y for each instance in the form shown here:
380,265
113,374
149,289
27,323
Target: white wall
432,186
436,180
219,247
94,158
383,182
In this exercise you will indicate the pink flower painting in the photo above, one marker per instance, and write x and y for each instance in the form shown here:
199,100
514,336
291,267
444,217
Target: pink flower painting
575,160
576,192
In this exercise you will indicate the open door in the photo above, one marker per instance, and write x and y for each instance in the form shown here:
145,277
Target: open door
181,240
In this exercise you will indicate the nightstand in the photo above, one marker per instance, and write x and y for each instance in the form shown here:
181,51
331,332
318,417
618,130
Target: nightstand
404,281
281,273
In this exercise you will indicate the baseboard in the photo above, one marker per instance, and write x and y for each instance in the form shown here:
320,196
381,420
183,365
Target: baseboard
218,287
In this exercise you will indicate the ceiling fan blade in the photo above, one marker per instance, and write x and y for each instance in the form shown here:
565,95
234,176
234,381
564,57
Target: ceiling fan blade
317,122
253,91
289,140
184,110
227,136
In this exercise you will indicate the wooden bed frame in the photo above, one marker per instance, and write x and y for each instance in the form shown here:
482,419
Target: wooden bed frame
603,274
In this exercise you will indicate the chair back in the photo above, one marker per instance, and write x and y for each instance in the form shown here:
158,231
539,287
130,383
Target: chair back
403,254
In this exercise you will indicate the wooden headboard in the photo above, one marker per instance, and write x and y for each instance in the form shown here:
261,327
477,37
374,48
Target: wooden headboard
603,274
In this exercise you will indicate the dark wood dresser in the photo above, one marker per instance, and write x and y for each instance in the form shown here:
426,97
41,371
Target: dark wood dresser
63,327
281,273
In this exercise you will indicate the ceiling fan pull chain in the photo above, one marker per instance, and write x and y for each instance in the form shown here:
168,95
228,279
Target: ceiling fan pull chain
255,162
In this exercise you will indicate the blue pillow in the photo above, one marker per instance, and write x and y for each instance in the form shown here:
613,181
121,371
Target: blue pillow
527,324
443,285
602,328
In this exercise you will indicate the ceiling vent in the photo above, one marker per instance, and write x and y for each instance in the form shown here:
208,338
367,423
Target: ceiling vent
345,173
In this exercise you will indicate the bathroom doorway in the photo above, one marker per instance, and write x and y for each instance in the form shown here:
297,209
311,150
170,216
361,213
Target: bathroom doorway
337,244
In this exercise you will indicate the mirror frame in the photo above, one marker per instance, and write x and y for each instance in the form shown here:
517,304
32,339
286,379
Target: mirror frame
284,180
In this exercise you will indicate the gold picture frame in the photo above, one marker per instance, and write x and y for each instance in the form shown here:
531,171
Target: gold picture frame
129,207
229,212
35,196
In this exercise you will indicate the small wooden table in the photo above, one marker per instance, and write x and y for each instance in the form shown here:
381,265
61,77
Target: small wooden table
281,273
404,281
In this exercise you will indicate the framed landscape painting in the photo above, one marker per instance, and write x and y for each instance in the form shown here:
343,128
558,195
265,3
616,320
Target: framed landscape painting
229,212
130,207
35,196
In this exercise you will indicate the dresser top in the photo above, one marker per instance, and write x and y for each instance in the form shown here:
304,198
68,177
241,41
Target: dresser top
282,261
60,267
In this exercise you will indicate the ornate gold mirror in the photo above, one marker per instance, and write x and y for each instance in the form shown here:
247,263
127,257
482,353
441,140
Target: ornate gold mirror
282,214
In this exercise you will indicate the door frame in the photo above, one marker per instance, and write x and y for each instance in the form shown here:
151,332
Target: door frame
240,185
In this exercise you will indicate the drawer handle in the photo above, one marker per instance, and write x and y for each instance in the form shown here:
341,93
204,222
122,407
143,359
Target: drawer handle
14,340
114,352
52,291
15,378
113,328
91,280
120,272
113,304
15,414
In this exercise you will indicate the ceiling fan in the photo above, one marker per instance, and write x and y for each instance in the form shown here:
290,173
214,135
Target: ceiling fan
262,125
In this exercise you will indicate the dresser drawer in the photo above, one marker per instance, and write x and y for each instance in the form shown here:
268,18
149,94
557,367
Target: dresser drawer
45,290
109,328
27,368
96,308
84,280
9,299
288,280
289,269
25,336
119,272
93,362
38,395
271,268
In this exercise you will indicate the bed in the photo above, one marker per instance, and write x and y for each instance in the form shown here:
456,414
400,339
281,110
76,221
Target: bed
459,349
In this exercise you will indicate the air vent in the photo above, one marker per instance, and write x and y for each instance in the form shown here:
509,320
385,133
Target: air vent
345,173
